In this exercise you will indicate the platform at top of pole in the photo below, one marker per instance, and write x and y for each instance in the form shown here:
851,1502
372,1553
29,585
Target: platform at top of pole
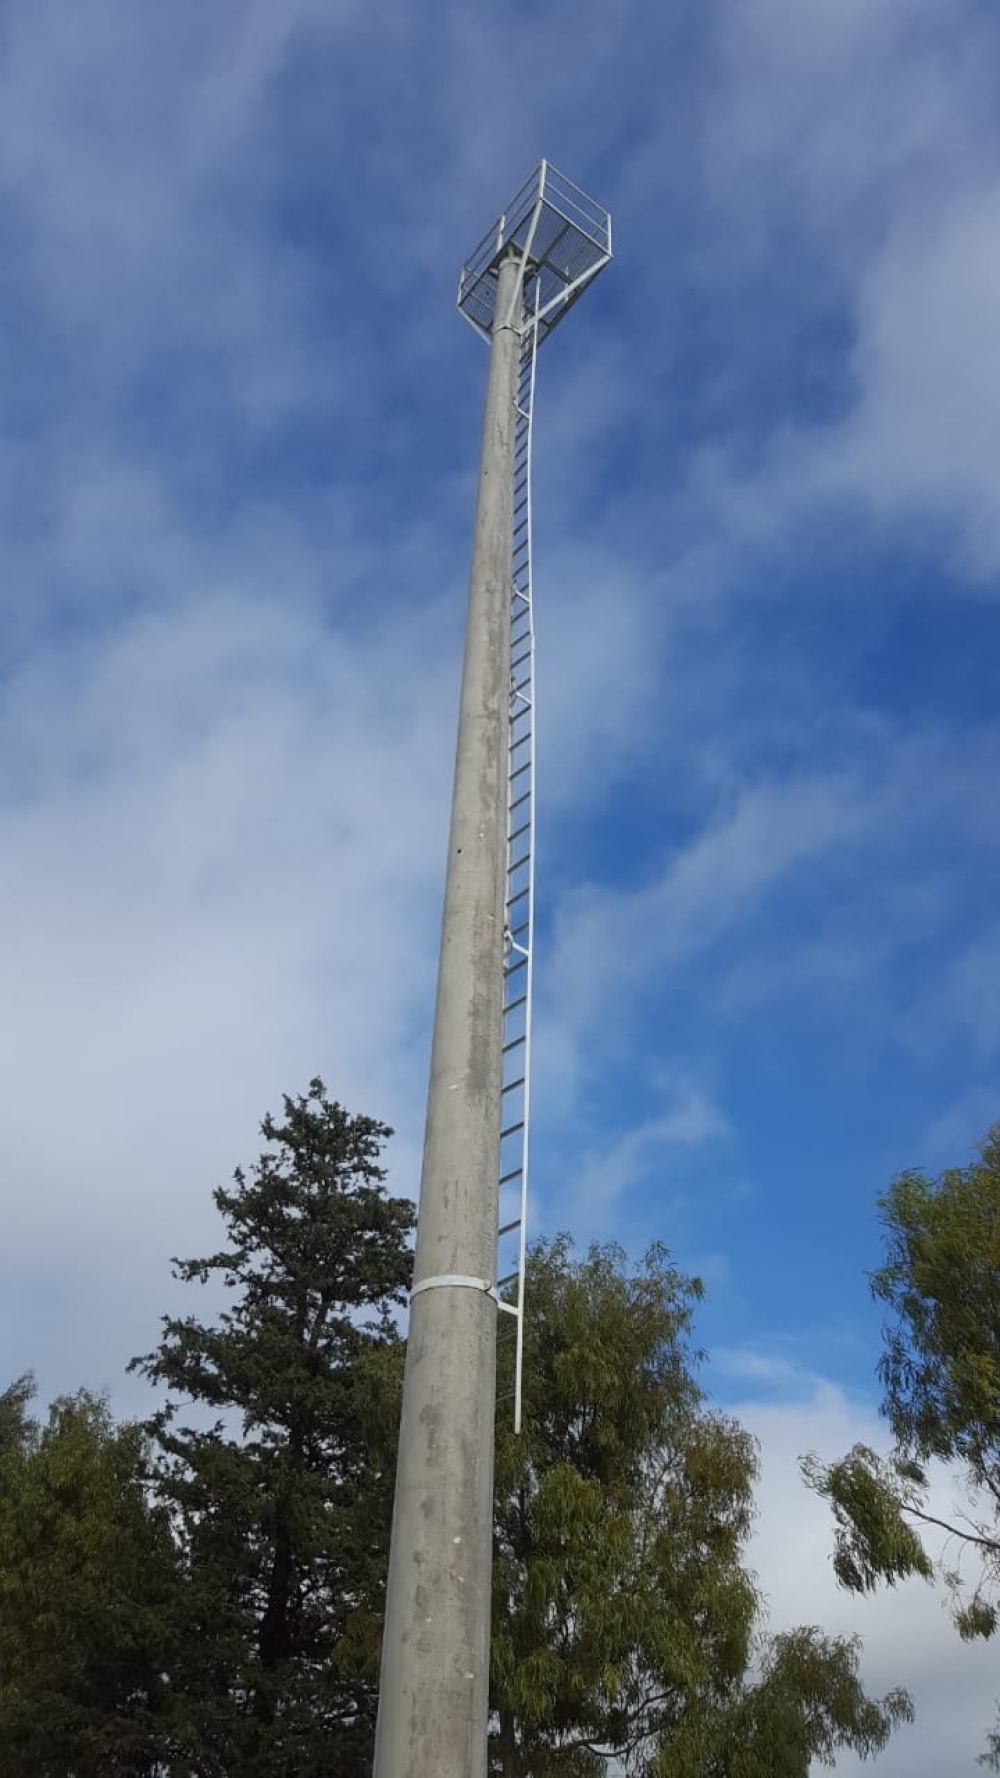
564,238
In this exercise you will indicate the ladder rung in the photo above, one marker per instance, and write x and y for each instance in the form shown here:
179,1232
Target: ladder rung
508,1228
525,827
513,1043
508,1278
512,1085
506,1178
512,1129
514,1004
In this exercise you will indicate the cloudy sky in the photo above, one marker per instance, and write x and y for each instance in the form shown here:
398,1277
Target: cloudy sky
238,432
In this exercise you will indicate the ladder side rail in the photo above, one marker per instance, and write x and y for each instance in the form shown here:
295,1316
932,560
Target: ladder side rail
519,897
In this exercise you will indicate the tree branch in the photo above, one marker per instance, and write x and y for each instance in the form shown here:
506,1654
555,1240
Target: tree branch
981,1542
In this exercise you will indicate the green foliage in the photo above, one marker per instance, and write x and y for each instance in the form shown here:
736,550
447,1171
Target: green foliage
940,1370
625,1622
88,1596
941,1284
874,1539
976,1619
18,1431
282,1503
203,1597
807,1705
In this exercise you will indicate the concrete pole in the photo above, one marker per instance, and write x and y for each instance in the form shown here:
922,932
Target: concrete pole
434,1694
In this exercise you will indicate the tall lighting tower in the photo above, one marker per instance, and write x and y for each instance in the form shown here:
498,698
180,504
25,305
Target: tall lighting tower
546,247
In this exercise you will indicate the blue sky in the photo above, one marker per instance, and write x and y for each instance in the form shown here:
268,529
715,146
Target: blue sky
237,459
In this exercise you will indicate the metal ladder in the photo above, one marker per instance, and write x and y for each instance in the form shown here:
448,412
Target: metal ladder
520,884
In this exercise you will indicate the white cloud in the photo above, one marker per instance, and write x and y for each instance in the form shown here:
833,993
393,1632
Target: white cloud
924,437
120,139
623,937
690,1119
765,1370
953,1138
834,114
971,993
833,876
224,880
603,642
908,1637
852,166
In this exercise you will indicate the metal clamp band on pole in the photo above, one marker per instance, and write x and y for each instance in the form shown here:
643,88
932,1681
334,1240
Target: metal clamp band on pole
459,1279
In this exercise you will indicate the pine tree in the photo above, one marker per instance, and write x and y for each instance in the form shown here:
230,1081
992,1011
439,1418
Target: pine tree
283,1500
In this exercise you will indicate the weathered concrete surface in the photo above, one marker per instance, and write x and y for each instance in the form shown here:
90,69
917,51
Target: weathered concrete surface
435,1660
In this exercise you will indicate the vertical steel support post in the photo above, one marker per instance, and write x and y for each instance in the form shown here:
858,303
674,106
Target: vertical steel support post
434,1696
